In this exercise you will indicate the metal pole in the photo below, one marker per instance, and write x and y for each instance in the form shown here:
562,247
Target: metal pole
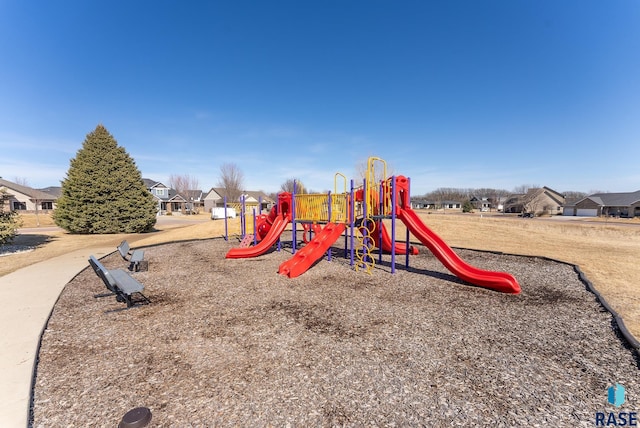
255,229
408,198
365,240
293,218
393,225
279,237
329,209
379,231
243,219
352,221
226,225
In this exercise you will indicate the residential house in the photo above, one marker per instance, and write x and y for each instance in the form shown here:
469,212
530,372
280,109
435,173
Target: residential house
169,201
480,203
26,199
421,203
451,205
606,204
499,203
537,201
252,199
195,200
425,204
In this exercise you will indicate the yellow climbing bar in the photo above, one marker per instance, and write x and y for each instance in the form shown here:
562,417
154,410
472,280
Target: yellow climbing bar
339,208
374,178
335,183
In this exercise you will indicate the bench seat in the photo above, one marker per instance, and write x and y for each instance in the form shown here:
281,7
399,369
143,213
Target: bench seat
119,283
134,257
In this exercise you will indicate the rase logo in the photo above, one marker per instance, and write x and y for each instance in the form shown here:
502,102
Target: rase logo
616,397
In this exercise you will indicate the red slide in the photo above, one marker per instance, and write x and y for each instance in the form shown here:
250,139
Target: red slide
278,226
303,259
499,281
386,242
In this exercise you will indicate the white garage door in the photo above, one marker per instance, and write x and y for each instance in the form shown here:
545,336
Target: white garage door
587,212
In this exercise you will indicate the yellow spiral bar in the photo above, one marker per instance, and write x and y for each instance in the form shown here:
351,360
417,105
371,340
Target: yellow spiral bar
366,246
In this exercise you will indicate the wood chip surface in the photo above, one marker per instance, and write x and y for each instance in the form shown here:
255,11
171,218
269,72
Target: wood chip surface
232,343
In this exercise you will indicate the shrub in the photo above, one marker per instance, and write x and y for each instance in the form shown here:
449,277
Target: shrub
9,220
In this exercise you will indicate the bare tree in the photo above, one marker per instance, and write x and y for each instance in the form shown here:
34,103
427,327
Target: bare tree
22,181
444,194
573,195
533,201
187,186
596,191
287,186
232,181
524,188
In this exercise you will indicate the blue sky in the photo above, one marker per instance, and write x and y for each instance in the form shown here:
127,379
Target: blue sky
452,93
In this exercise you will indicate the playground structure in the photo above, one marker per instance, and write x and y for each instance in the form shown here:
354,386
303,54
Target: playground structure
357,215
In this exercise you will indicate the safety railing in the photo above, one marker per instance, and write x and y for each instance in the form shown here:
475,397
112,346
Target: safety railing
315,208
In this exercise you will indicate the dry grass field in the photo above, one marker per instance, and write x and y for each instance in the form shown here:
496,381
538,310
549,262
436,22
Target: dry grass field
52,242
607,251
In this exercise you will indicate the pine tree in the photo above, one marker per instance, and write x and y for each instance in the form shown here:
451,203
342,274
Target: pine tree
103,191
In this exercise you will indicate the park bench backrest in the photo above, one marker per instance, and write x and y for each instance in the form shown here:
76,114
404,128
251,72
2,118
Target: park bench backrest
103,274
119,283
123,249
134,257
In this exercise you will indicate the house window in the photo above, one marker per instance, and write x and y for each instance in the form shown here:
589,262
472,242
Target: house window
159,192
17,206
47,205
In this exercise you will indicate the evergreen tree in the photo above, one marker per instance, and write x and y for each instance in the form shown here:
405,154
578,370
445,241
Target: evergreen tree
9,220
467,206
103,191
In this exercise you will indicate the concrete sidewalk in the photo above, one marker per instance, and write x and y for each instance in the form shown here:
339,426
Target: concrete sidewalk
28,296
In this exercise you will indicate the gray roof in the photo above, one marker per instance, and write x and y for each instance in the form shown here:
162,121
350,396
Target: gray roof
171,193
151,183
257,195
33,194
55,191
614,199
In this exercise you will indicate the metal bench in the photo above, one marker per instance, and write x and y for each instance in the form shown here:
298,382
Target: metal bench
119,283
134,257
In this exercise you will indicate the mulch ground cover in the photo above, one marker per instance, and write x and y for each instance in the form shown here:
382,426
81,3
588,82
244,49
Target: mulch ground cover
232,343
